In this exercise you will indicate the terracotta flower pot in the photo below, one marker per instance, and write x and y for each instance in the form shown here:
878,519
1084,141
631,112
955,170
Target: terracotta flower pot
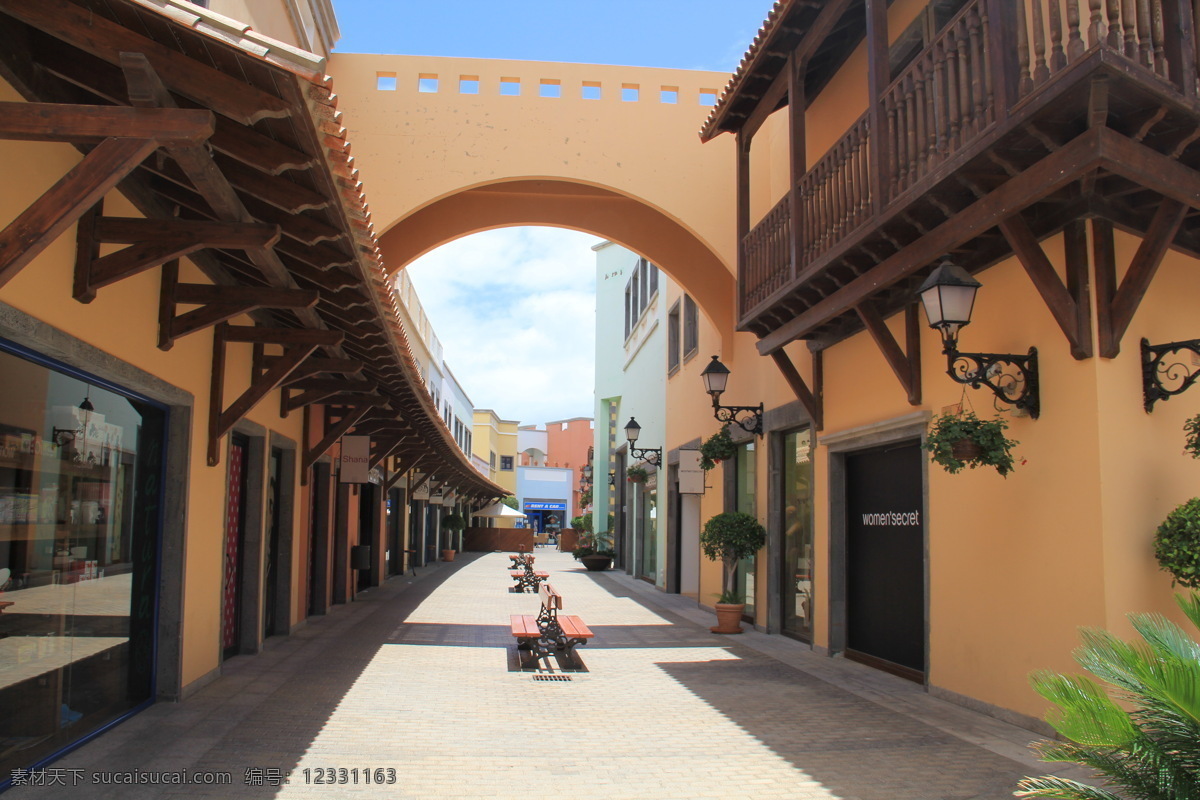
729,618
966,450
447,555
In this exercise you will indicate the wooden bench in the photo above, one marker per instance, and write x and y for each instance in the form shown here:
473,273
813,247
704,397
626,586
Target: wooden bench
549,630
527,578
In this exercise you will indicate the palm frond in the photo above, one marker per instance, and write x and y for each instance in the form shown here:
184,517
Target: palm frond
1084,712
1061,789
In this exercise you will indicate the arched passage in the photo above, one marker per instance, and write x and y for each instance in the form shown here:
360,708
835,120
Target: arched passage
564,204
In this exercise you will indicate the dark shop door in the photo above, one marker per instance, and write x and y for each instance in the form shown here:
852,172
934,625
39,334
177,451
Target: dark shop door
885,559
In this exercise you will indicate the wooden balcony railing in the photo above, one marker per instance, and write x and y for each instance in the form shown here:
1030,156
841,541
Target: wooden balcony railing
943,102
835,195
767,256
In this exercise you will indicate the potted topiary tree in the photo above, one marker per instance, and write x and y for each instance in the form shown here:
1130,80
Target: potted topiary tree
962,440
729,537
1177,544
453,523
717,448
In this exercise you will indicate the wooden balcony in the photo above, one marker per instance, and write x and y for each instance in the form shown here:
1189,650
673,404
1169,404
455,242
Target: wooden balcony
1050,111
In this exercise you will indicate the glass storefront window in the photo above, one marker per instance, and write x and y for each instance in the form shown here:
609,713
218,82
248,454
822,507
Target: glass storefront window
745,473
797,516
648,526
80,483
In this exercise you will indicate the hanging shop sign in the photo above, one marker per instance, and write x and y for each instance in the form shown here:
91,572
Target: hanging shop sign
355,460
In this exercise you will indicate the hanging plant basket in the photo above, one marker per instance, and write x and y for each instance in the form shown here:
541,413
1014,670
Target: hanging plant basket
717,448
1191,442
955,441
637,474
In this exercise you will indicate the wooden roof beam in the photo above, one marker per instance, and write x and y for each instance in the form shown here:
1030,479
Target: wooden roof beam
84,124
92,33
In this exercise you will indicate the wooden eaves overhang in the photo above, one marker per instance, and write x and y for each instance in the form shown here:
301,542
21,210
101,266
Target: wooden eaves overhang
1011,124
231,145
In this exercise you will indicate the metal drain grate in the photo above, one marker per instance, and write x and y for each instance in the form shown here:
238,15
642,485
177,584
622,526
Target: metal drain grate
552,677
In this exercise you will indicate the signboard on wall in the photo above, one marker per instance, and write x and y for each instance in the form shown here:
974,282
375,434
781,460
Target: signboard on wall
691,477
355,460
422,492
537,505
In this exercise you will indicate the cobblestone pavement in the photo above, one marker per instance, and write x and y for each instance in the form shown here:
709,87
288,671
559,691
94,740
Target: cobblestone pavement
420,676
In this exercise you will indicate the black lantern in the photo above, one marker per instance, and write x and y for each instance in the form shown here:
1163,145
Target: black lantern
715,376
651,456
948,295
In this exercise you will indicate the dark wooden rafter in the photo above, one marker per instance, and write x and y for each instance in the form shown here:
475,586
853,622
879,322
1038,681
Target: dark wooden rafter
809,398
305,392
383,449
333,432
1070,309
297,344
64,202
316,366
420,482
405,466
151,242
84,124
217,304
1115,306
905,364
147,90
107,40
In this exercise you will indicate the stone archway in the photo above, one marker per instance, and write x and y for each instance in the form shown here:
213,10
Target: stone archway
631,223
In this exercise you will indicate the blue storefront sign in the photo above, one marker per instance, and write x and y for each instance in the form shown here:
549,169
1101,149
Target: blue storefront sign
540,506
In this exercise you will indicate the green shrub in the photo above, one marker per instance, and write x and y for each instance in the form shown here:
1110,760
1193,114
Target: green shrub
729,537
1191,443
1151,752
1177,544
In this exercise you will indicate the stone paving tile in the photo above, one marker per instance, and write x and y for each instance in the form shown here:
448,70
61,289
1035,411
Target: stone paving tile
420,677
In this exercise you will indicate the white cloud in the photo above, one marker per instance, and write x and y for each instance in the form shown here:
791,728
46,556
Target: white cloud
515,311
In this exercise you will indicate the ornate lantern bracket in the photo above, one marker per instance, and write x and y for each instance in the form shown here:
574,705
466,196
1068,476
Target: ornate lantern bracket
1164,373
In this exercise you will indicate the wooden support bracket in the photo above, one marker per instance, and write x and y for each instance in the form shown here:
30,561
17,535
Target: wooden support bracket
1115,306
810,399
332,434
298,344
1070,306
906,365
217,304
152,242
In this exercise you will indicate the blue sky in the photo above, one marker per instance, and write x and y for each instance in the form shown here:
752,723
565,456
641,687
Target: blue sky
697,34
515,308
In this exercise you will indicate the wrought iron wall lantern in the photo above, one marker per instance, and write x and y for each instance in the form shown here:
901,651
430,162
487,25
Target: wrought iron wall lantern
585,478
612,478
715,376
948,295
652,456
66,438
1164,374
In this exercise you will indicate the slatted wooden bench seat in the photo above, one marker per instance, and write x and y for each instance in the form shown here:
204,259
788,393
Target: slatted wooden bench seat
549,630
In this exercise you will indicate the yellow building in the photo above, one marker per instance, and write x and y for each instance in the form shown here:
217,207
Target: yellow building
495,442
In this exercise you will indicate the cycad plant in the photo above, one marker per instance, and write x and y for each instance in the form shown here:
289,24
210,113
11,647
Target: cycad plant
1151,752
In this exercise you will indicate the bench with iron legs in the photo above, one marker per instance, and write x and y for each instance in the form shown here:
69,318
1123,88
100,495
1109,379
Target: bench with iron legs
549,631
527,578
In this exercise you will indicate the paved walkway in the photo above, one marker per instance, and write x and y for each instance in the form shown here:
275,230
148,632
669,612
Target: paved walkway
420,677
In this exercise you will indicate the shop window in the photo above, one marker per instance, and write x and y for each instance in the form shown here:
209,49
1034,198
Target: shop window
691,327
673,341
80,509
